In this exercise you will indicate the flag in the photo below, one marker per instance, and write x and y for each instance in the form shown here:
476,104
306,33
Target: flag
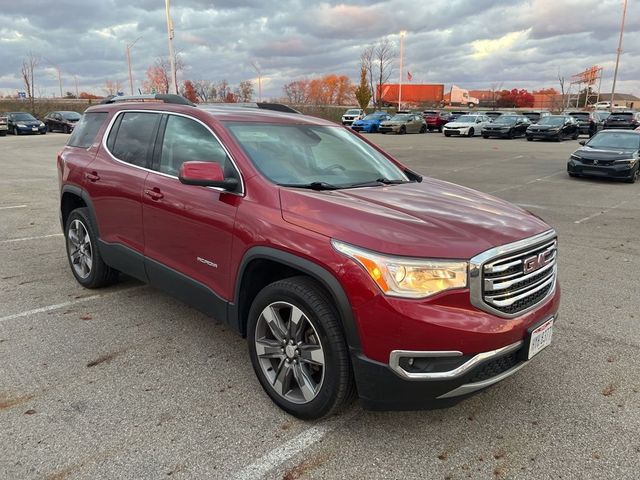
409,76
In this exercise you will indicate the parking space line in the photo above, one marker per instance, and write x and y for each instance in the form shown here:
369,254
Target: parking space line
601,212
58,306
511,187
279,455
13,206
24,239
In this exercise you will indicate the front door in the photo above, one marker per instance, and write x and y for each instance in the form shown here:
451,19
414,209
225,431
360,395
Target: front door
189,229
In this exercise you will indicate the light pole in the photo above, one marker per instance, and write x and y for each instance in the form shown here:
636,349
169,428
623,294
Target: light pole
615,72
172,55
402,34
128,52
75,77
256,67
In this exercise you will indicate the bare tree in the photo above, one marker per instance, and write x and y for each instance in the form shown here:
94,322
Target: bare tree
223,90
297,92
112,87
384,55
29,64
366,63
561,81
205,90
495,89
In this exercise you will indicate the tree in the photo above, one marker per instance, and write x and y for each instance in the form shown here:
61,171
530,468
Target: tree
159,75
384,54
366,62
363,92
515,99
29,64
205,90
189,92
561,81
244,92
230,98
297,92
223,90
89,96
112,87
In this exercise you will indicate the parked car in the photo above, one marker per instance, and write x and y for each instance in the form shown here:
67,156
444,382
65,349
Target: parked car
586,123
63,121
467,125
435,120
493,114
622,119
404,123
536,115
610,153
454,114
22,122
338,263
554,127
371,122
352,115
4,127
599,116
507,126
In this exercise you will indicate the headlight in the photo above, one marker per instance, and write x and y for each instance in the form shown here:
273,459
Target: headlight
630,161
41,124
575,157
554,130
408,277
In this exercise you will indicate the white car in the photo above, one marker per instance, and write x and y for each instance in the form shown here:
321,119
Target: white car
467,125
352,115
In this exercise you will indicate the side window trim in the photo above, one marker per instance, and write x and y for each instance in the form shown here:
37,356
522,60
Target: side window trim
111,124
157,147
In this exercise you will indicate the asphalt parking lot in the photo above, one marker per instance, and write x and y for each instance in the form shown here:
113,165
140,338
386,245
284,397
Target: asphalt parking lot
127,382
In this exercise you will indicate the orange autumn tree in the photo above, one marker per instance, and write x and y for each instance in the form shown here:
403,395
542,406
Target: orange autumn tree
189,91
328,90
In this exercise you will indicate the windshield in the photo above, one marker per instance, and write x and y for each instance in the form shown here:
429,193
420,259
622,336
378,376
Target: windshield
374,116
506,119
580,115
466,119
403,117
23,116
551,121
601,115
532,116
622,140
70,115
352,112
299,155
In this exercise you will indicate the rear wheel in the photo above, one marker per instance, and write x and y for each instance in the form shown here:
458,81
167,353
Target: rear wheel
83,253
485,136
297,349
402,130
16,132
423,129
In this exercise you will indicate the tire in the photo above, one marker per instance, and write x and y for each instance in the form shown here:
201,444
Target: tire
485,136
402,130
572,174
558,138
430,129
15,131
280,363
440,129
575,136
423,129
471,105
510,135
529,139
89,270
634,176
471,132
3,134
447,134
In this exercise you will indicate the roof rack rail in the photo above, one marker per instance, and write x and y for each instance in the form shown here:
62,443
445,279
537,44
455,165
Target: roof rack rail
155,97
278,107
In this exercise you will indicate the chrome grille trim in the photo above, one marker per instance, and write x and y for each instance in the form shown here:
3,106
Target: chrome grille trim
497,280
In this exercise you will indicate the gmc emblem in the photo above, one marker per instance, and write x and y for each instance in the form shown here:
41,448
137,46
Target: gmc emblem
536,262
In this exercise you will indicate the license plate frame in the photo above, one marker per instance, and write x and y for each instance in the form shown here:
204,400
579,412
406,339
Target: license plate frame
539,337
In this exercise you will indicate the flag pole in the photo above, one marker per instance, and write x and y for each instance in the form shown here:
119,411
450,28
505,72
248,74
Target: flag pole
402,34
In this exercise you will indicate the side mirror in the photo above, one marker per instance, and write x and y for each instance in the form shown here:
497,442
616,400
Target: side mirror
582,142
205,174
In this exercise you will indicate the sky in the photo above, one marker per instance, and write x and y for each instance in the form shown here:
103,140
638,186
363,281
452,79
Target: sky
472,43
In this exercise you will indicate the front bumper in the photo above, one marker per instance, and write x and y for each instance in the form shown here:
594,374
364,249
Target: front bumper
389,128
456,131
543,135
27,129
495,133
363,128
619,171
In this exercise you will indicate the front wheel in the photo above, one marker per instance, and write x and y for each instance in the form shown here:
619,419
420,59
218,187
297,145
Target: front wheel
634,176
402,130
447,134
297,349
575,136
471,132
423,129
83,254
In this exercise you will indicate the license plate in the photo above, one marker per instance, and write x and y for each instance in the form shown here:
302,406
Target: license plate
540,338
34,129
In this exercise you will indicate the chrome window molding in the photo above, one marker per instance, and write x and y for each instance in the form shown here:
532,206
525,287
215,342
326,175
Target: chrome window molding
477,263
396,355
241,193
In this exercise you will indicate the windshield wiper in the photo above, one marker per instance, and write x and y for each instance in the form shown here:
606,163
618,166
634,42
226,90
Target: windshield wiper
377,182
311,186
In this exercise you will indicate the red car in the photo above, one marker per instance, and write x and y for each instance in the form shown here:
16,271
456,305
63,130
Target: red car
347,272
435,119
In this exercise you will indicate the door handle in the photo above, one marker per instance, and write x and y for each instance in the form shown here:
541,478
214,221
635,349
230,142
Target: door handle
154,193
92,177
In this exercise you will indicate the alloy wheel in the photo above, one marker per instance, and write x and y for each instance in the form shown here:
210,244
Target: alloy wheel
80,249
289,352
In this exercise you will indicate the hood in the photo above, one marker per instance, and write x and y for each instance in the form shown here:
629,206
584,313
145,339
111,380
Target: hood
460,124
366,122
29,123
501,125
429,219
604,153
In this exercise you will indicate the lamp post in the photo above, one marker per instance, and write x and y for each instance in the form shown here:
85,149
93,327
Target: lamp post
128,52
172,55
615,72
256,67
402,34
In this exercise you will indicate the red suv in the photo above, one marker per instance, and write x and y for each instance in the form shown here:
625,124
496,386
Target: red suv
346,271
435,119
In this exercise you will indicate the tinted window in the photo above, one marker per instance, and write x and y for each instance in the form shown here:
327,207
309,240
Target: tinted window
134,137
186,140
86,130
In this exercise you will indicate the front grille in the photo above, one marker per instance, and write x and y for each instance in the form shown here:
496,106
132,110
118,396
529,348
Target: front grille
515,280
495,367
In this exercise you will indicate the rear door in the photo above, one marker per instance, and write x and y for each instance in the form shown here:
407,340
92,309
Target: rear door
115,183
188,229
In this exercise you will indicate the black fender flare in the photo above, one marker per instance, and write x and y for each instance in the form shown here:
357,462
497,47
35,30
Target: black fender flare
79,192
315,271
